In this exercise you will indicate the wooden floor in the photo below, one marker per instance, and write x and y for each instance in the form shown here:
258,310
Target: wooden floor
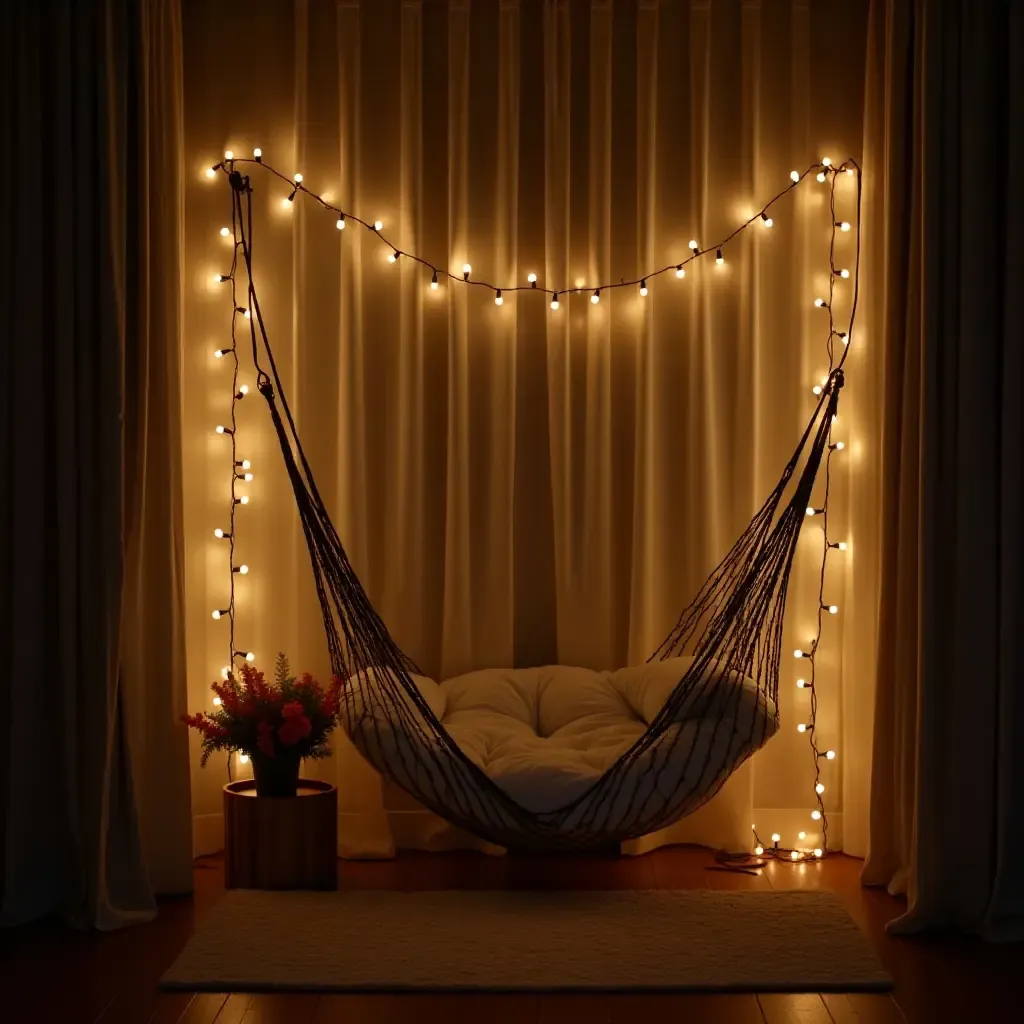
51,974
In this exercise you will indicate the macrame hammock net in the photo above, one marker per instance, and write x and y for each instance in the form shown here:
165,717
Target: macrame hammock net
732,629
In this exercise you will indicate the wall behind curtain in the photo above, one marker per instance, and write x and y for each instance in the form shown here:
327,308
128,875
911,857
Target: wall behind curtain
518,486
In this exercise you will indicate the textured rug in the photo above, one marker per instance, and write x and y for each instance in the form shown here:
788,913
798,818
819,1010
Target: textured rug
382,940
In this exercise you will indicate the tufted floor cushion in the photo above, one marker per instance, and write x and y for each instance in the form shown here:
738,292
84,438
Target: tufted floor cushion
545,735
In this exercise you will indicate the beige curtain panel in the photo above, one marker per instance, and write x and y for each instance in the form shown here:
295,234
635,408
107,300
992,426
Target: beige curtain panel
517,486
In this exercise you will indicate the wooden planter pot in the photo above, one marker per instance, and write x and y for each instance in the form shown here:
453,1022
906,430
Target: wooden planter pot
281,842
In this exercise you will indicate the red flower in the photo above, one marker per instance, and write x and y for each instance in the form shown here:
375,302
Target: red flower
266,738
296,725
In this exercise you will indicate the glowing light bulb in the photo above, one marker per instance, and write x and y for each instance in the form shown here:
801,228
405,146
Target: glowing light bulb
219,533
849,170
257,153
816,815
841,545
228,154
221,278
250,657
801,835
498,300
225,672
286,202
776,838
247,314
247,477
378,225
819,789
297,179
243,570
220,353
217,702
819,302
694,247
219,612
554,301
830,755
801,727
766,220
245,464
820,175
596,297
244,389
795,175
393,256
801,684
680,271
817,852
466,271
842,336
833,609
243,758
826,162
719,258
844,273
794,855
210,172
839,445
799,654
759,850
221,429
816,389
244,499
843,225
643,287
225,232
532,278
811,511
340,223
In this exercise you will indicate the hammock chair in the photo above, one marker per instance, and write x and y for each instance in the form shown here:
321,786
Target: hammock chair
712,704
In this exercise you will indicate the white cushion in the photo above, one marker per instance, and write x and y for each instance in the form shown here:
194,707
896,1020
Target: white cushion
545,735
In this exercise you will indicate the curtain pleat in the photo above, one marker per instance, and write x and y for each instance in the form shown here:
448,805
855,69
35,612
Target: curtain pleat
517,485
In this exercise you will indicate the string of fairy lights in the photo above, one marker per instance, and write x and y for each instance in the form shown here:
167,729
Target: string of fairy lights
241,469
837,342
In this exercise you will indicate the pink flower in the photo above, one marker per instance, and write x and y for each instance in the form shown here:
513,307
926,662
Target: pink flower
296,725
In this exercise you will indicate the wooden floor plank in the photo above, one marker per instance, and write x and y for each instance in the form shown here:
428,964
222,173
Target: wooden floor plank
282,1008
234,1008
794,1008
204,1008
639,1008
862,1008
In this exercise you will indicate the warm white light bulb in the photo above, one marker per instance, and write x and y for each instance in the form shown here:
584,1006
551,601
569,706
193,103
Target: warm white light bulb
210,172
250,657
225,672
693,244
247,314
849,170
801,727
225,232
833,609
844,273
217,613
245,464
795,175
844,225
392,257
680,271
244,499
286,203
247,477
217,702
218,353
776,837
532,278
554,301
466,269
498,300
817,851
433,283
228,154
297,178
801,684
766,220
596,297
820,175
243,758
798,653
801,835
819,789
220,428
816,389
340,223
218,533
826,162
759,850
816,815
840,445
719,258
257,152
830,755
794,855
378,225
244,570
842,545
819,302
811,511
643,287
244,389
219,278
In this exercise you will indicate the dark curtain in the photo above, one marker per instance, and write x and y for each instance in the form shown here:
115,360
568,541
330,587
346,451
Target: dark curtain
944,141
89,455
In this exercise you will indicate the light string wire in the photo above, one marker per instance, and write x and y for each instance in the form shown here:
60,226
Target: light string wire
297,185
824,170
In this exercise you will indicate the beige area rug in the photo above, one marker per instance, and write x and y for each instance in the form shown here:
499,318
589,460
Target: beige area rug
383,940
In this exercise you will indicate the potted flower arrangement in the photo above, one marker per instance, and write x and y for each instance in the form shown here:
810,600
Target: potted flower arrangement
276,724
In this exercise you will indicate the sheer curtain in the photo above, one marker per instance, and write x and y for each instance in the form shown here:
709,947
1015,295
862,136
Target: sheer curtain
947,801
518,485
94,797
